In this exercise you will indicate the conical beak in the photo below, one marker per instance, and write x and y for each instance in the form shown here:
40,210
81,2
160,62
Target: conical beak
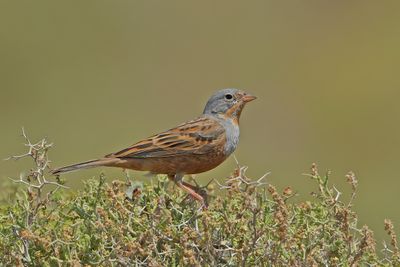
247,98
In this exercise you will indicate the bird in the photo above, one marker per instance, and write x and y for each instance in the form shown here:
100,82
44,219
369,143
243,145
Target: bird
195,146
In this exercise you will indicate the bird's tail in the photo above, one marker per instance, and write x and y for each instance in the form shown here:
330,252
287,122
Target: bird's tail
84,165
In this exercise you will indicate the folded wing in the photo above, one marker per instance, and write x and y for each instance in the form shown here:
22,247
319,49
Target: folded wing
200,136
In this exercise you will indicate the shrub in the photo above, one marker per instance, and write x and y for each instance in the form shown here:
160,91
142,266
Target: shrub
123,223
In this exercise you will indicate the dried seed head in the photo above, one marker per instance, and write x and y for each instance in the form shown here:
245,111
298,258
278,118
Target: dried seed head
287,192
314,169
389,228
352,179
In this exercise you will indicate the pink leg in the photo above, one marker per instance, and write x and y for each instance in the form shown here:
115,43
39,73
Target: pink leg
187,187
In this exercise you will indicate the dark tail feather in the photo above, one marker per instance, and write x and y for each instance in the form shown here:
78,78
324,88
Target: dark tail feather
82,165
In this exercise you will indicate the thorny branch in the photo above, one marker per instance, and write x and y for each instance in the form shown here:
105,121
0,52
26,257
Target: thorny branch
35,182
239,178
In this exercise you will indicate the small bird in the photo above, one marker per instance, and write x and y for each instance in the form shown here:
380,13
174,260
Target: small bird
193,147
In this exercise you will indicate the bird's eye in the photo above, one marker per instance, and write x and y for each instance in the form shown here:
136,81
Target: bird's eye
228,96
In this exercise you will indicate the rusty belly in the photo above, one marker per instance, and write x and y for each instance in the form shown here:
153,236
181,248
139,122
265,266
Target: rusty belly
171,165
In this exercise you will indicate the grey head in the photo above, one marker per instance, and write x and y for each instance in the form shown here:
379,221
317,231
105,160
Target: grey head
226,105
229,102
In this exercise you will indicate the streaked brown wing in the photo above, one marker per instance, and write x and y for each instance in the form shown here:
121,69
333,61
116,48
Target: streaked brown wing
199,136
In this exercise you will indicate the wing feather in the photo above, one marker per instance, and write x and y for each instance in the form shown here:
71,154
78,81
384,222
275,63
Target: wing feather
199,136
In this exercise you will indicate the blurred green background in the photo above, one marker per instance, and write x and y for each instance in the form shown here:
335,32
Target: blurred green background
96,76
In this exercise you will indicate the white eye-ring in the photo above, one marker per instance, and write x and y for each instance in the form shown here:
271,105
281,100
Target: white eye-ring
228,97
